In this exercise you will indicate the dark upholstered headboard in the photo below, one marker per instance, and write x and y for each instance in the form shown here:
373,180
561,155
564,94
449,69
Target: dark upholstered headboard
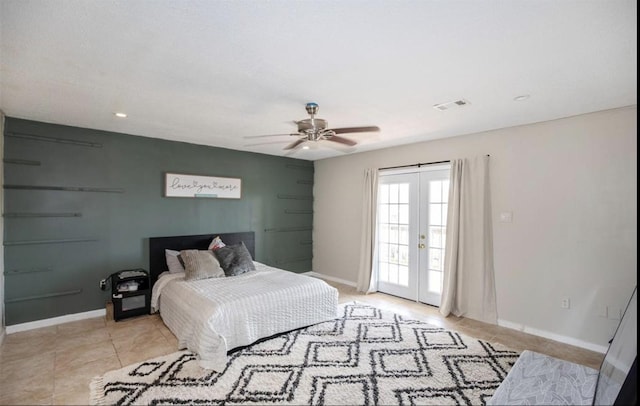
157,245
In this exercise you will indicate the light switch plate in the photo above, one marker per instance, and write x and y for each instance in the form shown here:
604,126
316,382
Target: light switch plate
506,217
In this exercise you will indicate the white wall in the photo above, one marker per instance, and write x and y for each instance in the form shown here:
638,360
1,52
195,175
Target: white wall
571,185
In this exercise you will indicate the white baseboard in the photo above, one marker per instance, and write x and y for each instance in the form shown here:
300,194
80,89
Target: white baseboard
330,278
16,328
503,323
102,312
552,336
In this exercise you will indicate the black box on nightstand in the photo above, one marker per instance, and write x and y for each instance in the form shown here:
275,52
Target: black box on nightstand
130,293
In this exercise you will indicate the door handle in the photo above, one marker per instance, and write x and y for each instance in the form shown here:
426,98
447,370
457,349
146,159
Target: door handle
421,246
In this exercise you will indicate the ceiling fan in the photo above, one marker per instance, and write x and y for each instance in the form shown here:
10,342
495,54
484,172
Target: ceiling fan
314,129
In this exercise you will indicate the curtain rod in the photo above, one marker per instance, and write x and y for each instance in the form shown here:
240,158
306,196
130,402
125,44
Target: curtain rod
418,165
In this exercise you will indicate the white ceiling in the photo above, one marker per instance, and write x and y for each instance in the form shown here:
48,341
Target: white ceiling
212,72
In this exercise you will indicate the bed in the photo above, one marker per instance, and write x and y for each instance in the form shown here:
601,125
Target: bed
213,316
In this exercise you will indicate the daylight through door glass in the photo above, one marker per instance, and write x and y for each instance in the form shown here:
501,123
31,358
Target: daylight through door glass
393,233
438,196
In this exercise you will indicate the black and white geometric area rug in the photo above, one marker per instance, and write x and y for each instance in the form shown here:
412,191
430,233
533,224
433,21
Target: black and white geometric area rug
368,356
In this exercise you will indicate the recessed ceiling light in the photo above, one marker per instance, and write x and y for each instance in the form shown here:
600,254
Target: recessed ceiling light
121,115
522,97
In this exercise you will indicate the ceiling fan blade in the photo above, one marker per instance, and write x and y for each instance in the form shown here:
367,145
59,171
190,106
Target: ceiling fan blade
268,135
355,129
341,140
295,144
264,143
338,147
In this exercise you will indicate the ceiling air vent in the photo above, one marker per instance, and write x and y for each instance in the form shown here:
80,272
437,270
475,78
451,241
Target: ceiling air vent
450,105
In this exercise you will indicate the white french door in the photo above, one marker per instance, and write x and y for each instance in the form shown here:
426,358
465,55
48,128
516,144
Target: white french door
412,214
397,234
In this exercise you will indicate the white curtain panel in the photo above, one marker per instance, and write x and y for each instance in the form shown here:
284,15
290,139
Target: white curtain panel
469,281
367,282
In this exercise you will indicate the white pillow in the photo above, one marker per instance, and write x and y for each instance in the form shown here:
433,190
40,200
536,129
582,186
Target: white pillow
216,243
173,263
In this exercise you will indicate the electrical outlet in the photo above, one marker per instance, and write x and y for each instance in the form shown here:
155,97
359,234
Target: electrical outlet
103,284
565,303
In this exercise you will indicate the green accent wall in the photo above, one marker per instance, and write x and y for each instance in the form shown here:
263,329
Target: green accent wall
80,204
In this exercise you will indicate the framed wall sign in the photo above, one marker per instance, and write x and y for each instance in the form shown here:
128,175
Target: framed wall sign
182,185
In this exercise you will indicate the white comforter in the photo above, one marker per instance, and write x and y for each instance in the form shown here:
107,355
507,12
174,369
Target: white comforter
213,316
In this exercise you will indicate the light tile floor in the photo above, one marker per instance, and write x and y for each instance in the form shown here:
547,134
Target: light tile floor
54,365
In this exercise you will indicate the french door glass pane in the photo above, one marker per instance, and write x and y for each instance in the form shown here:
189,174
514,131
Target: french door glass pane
393,253
393,234
435,260
393,273
404,255
435,214
403,275
383,252
393,193
403,214
435,281
383,213
444,214
438,191
383,232
383,271
438,196
404,234
404,193
435,191
393,213
383,194
436,236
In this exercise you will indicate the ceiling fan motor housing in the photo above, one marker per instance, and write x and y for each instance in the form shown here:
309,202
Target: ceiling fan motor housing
306,124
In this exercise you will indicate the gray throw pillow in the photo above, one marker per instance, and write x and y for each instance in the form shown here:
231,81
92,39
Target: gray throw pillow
235,259
200,265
